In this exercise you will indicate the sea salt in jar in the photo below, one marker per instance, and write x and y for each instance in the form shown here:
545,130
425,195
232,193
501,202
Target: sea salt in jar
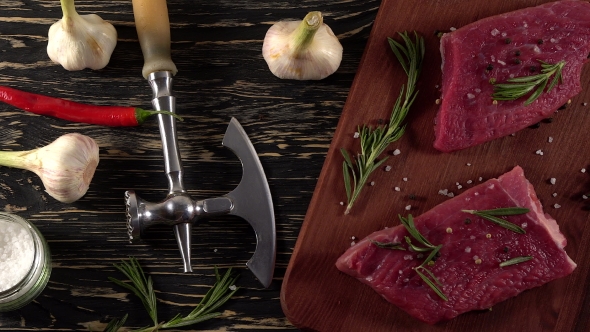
25,262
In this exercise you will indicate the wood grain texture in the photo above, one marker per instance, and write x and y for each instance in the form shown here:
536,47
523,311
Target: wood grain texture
217,49
316,296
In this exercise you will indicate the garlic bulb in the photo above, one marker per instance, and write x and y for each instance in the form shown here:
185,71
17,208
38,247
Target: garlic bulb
80,41
66,166
302,50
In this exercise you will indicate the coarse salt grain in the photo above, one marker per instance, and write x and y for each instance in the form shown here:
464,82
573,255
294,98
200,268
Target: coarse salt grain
584,197
233,287
387,168
469,182
17,253
405,179
583,170
468,249
372,183
397,189
396,152
554,194
524,225
550,139
356,134
352,243
452,28
408,207
557,206
539,152
552,180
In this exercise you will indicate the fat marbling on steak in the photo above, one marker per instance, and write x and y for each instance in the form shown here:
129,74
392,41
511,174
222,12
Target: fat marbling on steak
501,47
472,250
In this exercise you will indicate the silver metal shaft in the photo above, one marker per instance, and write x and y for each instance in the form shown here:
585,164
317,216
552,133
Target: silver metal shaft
161,83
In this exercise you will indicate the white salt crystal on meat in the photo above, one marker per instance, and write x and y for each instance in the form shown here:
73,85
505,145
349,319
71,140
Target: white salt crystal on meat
396,152
397,188
550,139
387,168
557,206
408,207
553,180
356,134
495,32
17,254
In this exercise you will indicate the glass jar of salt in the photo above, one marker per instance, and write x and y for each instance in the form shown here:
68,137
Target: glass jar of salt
25,262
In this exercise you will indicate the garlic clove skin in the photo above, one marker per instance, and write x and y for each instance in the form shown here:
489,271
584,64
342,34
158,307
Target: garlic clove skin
81,41
302,50
66,166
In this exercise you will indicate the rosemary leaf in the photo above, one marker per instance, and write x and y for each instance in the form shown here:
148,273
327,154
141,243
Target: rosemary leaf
414,247
411,228
430,257
518,87
509,211
430,283
516,260
491,215
388,245
115,324
374,140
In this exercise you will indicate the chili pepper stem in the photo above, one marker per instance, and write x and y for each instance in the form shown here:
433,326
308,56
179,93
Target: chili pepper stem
141,115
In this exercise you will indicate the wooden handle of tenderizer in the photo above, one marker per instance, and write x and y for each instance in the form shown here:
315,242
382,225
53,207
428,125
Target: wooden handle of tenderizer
153,30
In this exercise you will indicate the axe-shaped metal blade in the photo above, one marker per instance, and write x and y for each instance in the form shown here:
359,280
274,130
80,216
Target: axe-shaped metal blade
253,202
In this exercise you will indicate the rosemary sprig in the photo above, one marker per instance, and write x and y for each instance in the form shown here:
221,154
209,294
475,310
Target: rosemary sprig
374,140
520,86
516,260
430,280
492,215
142,286
388,245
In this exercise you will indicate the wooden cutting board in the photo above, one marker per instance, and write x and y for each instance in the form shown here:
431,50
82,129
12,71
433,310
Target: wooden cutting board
316,296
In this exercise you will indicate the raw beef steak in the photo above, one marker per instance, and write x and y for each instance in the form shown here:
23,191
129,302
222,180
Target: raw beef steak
502,47
472,249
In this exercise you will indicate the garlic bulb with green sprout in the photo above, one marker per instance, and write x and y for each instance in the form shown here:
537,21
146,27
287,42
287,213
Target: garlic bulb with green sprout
302,50
80,41
66,166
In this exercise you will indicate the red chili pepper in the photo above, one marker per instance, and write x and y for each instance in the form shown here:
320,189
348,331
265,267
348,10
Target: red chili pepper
113,116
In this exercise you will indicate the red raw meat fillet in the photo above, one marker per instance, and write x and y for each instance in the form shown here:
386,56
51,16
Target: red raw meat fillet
468,285
511,43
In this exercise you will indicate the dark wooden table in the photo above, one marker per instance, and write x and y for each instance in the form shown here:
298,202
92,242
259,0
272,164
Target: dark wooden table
216,46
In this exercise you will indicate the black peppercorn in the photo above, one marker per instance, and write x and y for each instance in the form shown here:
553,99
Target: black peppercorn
517,61
490,67
517,53
507,40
